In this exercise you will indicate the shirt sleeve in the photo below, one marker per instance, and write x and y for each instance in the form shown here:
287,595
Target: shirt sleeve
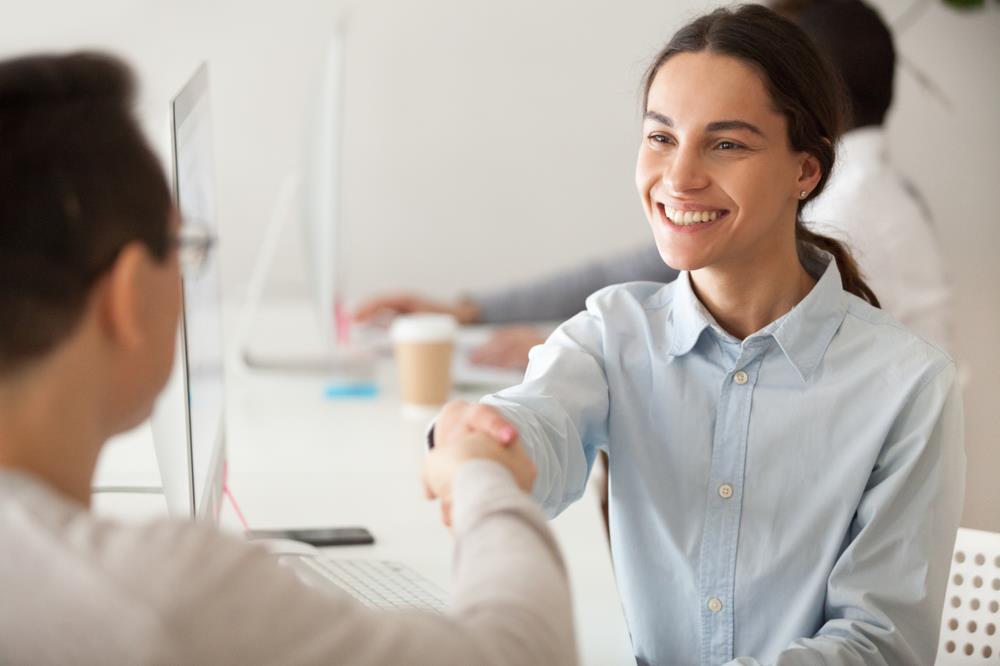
561,295
511,605
886,591
560,410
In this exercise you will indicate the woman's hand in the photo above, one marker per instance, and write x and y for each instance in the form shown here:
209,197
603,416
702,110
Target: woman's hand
460,418
443,463
465,431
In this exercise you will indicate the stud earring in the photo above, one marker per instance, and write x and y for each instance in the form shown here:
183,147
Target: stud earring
802,194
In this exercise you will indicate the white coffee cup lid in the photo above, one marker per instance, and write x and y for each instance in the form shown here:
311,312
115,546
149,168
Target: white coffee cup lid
423,328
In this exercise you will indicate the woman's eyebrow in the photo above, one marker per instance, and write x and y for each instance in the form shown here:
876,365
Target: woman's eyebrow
716,126
721,125
659,117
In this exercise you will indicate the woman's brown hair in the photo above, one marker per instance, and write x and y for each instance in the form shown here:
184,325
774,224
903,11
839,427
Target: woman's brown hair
803,86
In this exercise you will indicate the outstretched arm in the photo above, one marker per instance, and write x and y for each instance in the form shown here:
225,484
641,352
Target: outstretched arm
559,412
511,603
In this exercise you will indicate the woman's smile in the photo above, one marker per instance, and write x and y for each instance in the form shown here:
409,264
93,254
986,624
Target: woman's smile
689,218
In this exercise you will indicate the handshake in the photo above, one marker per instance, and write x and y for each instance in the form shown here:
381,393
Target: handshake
466,431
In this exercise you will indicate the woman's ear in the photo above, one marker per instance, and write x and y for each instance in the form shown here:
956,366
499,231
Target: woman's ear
810,173
120,297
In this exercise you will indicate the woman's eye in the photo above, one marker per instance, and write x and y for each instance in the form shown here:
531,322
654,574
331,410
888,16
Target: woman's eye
728,145
658,140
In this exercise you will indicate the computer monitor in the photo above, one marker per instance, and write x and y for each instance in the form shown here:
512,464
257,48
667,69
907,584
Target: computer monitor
320,212
312,195
189,423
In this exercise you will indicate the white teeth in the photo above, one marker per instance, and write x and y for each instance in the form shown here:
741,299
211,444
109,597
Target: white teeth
685,218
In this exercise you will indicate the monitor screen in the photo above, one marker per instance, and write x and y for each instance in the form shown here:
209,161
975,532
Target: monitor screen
194,187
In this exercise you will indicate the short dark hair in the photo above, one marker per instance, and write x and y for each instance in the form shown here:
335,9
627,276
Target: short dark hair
77,183
859,44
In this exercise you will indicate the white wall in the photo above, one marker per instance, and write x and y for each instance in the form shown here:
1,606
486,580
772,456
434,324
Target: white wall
489,141
953,156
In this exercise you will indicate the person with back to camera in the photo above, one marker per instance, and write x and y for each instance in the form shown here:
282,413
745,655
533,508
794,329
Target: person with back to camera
865,203
91,251
786,460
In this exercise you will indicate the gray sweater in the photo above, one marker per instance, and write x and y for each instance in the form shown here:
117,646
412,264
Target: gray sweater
562,295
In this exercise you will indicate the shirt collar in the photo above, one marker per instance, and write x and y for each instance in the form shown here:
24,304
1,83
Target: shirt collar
803,333
807,330
688,317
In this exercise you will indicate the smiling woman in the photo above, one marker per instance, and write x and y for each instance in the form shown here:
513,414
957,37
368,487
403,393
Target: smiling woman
785,460
760,139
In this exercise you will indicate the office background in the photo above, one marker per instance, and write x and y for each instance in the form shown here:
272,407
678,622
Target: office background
490,141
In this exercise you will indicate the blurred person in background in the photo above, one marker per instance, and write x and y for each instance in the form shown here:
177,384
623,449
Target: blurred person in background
866,204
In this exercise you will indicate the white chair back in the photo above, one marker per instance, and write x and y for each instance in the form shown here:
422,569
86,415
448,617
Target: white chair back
970,624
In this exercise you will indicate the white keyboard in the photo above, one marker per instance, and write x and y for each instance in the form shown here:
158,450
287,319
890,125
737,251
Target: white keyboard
375,583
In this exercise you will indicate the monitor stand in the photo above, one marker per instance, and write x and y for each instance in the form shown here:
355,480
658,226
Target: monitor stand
342,361
346,363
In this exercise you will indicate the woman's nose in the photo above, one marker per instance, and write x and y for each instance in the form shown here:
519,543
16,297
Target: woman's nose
685,172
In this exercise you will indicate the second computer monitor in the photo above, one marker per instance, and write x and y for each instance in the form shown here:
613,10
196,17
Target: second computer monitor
202,351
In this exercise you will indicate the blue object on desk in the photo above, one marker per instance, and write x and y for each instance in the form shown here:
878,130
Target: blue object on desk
361,390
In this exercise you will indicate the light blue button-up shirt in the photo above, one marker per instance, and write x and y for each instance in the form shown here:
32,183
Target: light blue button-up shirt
791,498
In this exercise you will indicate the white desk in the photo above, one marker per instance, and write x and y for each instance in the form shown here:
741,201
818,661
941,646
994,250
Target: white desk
297,459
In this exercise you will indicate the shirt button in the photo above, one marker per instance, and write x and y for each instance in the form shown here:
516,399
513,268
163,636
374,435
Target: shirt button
725,491
714,604
741,378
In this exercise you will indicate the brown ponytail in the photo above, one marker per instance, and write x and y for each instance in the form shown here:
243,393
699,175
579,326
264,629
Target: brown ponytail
803,86
850,273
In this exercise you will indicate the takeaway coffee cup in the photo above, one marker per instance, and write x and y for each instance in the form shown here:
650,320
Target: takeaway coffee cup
424,344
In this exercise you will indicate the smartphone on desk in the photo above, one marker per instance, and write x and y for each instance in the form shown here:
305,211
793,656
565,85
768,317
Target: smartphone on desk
320,537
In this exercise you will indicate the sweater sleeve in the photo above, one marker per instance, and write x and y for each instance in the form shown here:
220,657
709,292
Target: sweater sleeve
511,605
